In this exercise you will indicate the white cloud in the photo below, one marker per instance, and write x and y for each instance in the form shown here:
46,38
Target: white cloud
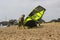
15,8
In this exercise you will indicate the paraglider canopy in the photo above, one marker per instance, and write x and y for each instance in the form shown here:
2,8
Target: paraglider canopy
34,16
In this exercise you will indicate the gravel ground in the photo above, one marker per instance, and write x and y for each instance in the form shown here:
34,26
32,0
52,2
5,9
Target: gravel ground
47,31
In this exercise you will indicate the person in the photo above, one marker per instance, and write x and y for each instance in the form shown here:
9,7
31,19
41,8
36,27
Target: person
21,21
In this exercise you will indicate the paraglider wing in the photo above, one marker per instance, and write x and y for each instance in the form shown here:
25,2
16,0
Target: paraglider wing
36,14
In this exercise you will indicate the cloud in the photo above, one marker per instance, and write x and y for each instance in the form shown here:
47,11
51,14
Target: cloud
15,8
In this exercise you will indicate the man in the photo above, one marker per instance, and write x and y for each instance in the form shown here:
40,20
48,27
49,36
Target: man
21,21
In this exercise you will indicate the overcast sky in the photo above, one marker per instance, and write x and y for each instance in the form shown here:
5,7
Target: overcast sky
13,9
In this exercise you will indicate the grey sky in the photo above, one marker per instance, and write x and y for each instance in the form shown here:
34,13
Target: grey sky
13,9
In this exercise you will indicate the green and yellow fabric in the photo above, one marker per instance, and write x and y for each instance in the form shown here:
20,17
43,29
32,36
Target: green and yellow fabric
36,14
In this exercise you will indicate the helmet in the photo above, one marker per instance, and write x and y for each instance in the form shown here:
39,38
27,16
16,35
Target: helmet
23,15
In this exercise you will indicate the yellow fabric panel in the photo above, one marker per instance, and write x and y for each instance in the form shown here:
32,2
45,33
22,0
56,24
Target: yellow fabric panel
42,12
36,18
38,15
28,19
